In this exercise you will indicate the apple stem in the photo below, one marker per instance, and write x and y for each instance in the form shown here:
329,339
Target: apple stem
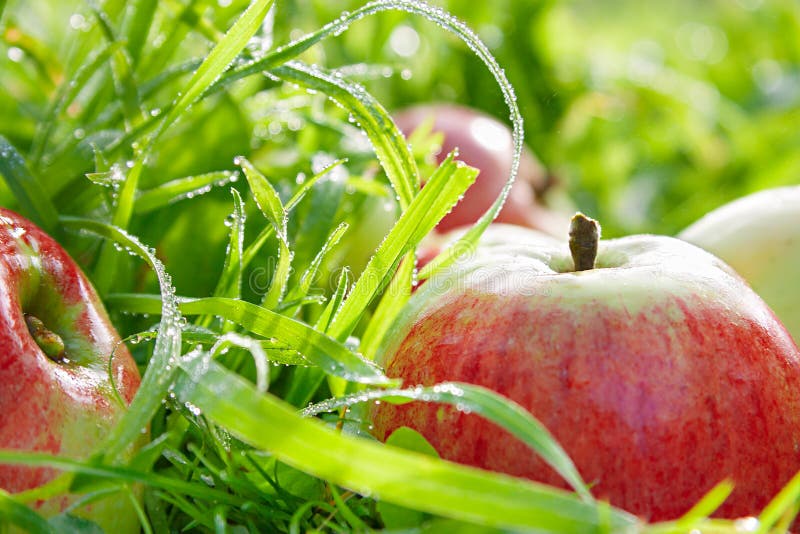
584,234
50,342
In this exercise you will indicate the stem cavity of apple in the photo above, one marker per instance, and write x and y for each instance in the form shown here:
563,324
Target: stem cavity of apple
50,342
584,235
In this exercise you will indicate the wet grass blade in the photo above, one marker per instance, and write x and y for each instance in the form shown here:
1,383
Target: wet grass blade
318,348
158,376
29,192
438,196
390,146
182,188
401,477
486,403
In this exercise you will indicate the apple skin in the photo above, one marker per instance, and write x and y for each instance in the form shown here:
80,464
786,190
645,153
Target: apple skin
485,143
62,407
659,371
759,236
505,236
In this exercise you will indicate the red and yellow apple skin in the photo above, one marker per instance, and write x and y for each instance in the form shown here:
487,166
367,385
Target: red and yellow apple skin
659,371
64,405
485,143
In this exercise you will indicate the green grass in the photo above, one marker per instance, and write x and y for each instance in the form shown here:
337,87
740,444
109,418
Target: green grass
231,180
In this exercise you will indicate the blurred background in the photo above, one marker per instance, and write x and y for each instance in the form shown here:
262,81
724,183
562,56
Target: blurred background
646,114
649,113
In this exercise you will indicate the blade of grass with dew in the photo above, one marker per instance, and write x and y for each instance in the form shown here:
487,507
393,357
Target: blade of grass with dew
29,192
389,306
270,204
290,51
181,188
307,380
463,32
160,369
389,144
230,281
486,403
217,61
22,516
433,202
405,478
319,349
253,248
301,289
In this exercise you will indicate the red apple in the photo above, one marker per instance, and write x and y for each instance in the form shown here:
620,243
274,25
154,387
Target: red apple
485,143
656,367
56,388
504,236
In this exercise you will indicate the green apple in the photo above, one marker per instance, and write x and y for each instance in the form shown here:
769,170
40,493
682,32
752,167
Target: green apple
759,236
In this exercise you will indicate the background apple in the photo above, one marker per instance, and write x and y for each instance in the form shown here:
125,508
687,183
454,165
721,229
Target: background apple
56,388
759,236
659,370
485,143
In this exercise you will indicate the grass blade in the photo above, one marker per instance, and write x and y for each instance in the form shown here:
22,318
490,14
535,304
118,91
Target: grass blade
29,192
486,403
438,196
20,515
271,206
230,281
319,349
175,190
158,376
389,144
405,478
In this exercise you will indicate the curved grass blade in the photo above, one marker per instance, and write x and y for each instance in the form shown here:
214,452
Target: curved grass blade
401,477
438,196
389,144
271,206
489,405
175,190
29,192
230,281
319,349
160,369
